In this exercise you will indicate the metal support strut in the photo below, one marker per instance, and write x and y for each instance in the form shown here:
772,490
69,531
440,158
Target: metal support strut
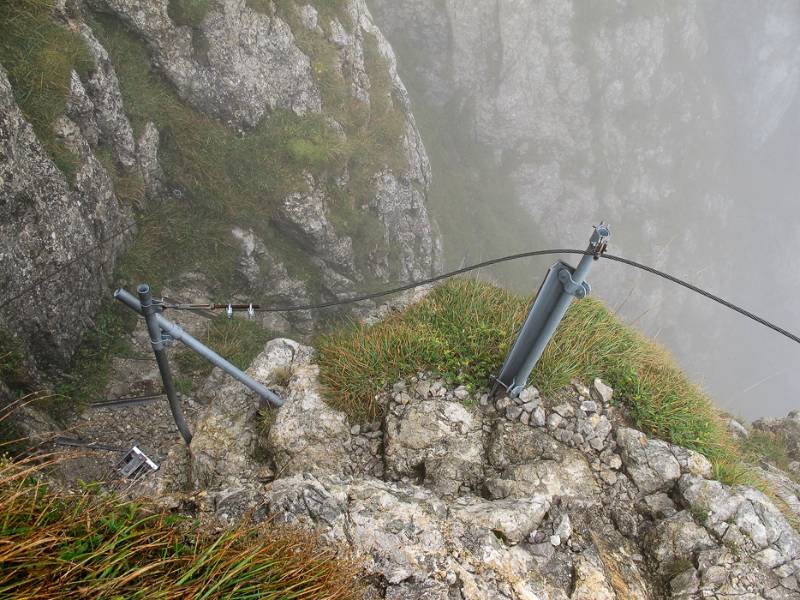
162,329
150,312
562,284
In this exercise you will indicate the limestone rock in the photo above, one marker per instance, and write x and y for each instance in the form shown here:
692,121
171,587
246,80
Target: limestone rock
250,64
45,223
438,443
513,520
678,538
147,160
650,462
305,216
405,534
400,206
109,115
308,436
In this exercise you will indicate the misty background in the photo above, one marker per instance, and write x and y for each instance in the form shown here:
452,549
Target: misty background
676,122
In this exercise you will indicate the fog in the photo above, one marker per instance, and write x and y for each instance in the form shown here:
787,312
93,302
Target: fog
678,123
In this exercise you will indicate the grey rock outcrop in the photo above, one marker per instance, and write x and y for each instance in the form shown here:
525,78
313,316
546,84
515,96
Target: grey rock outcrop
102,87
250,64
147,161
307,435
436,443
304,436
479,503
240,65
650,463
306,218
46,224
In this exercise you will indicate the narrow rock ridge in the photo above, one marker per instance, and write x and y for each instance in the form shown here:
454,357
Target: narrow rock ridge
452,495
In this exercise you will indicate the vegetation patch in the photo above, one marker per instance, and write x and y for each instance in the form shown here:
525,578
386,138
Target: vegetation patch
765,446
237,340
223,179
463,331
39,56
86,544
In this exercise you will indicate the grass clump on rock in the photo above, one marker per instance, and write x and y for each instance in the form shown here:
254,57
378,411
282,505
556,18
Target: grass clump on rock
39,56
87,544
464,329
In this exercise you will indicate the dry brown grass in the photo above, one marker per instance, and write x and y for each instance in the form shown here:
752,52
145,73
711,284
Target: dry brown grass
63,545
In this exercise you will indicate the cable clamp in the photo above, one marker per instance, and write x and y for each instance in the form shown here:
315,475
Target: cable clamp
572,287
599,241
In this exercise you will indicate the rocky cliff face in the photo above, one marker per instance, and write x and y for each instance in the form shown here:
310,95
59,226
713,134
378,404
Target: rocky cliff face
544,116
243,63
68,235
452,495
574,103
328,221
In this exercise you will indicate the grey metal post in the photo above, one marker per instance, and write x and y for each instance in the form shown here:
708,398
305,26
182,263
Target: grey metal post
150,312
562,284
179,334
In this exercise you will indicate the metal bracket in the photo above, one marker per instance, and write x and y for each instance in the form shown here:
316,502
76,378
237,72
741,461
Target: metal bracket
561,285
167,339
572,287
136,464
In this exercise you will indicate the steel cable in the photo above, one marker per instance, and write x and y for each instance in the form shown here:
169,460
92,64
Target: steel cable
513,257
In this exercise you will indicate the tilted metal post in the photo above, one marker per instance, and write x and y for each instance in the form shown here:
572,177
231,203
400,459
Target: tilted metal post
150,312
562,284
156,326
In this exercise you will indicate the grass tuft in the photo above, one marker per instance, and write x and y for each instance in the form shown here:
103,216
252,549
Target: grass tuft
765,446
39,56
464,329
86,544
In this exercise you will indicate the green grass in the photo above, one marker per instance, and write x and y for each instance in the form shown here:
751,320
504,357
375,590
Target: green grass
237,340
85,544
765,446
39,56
464,329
